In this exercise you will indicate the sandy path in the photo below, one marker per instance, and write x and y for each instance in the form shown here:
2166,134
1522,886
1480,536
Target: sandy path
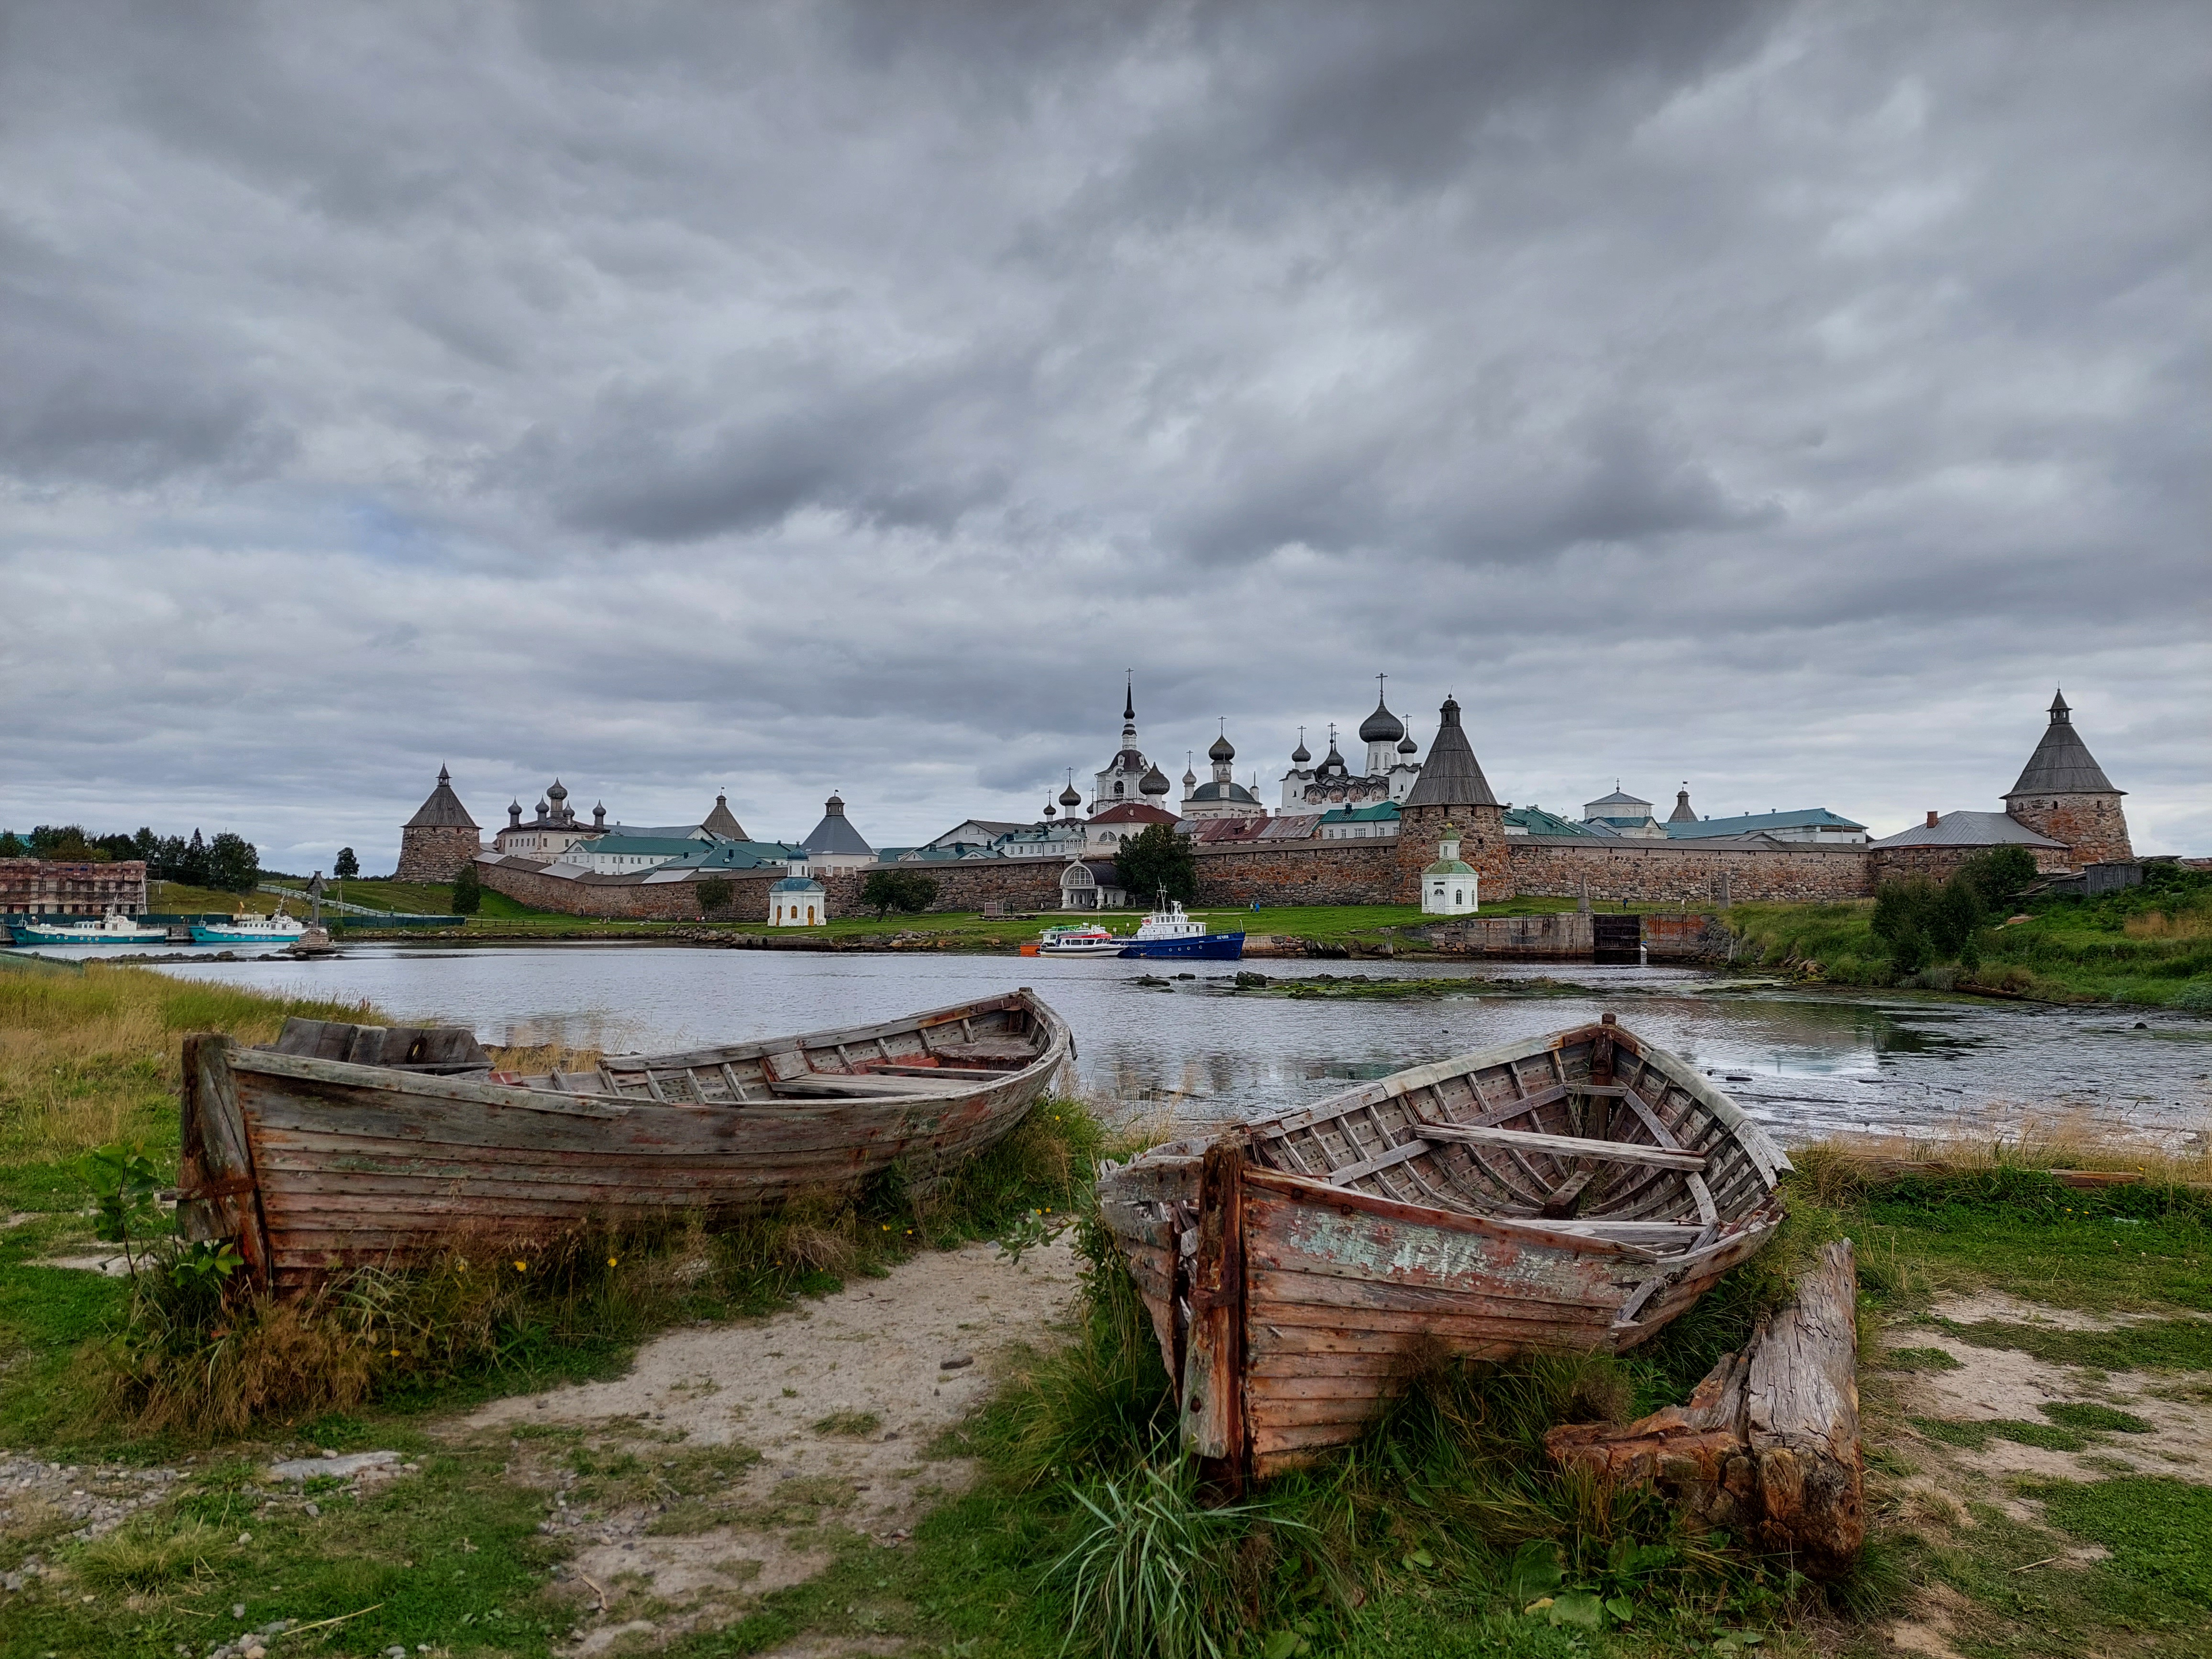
877,1349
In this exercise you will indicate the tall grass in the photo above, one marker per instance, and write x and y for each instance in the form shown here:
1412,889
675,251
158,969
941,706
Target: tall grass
493,1312
1449,1500
90,1058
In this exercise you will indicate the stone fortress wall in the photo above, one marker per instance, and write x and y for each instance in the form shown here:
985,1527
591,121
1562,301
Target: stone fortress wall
2085,814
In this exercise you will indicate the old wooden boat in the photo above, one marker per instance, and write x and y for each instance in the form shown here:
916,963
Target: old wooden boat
343,1145
1574,1192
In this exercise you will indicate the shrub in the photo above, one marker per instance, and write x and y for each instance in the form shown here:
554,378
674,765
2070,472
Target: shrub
468,892
1156,859
908,892
714,895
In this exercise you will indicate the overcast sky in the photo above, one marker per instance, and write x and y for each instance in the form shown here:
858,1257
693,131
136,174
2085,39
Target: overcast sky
670,397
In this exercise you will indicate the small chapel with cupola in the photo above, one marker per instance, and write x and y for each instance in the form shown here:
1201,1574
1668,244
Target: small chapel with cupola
1223,797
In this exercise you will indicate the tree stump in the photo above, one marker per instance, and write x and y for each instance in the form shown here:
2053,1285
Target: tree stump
1768,1444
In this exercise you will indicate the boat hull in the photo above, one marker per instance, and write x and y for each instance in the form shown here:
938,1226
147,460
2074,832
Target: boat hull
32,933
1298,1270
203,935
317,1164
1208,947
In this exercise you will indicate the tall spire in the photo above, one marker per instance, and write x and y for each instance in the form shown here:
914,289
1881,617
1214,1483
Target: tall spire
1129,697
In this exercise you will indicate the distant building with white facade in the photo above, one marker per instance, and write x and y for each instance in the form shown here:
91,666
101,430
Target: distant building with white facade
1223,797
1393,767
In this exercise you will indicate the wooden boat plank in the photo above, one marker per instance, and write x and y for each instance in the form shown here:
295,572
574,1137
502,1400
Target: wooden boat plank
1289,1298
1347,1203
1521,1140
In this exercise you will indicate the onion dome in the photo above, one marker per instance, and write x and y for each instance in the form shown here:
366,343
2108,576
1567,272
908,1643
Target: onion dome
1068,797
556,794
1301,755
1190,778
1154,782
1381,726
1050,810
542,808
1408,746
1222,751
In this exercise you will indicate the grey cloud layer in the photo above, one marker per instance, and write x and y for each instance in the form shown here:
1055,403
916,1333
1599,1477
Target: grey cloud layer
805,397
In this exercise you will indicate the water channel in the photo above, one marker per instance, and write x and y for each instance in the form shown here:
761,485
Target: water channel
1805,1061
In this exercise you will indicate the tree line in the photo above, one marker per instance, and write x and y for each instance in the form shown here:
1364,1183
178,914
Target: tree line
226,864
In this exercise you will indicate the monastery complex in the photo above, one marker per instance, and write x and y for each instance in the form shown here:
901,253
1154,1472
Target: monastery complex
1335,836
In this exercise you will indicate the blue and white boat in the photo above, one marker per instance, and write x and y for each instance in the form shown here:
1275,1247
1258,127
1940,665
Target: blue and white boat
1170,935
243,929
113,928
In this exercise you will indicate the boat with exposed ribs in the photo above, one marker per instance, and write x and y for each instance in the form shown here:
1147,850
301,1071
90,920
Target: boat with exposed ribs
1574,1192
345,1144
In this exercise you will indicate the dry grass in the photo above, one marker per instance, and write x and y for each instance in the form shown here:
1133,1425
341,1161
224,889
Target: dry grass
90,1058
543,1059
2156,924
1836,1169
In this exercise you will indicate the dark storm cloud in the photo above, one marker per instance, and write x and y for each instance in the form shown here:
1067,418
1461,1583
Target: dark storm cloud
801,396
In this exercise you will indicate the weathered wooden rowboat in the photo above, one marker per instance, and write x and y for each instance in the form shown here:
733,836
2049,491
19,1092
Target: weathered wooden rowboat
1574,1192
348,1144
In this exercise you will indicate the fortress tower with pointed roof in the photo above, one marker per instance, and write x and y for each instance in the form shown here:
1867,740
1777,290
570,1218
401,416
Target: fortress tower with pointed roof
1452,789
2064,795
439,839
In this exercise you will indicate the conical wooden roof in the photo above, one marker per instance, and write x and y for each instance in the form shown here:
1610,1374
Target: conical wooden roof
2062,764
443,810
1451,776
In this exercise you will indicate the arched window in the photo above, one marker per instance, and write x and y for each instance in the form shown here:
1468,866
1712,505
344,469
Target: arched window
1117,788
1459,896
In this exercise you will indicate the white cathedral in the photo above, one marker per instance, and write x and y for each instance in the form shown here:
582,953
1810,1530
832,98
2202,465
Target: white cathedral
1392,769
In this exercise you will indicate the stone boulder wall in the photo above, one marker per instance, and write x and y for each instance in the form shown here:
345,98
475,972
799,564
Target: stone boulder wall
1768,1445
435,853
1683,871
2093,827
1940,863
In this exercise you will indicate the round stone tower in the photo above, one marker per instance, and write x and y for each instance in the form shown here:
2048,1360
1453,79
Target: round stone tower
2064,795
1452,789
439,839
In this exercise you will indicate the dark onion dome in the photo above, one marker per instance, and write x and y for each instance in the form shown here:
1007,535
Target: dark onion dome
1408,746
1068,797
1222,750
1050,811
2062,764
1234,792
1301,755
1451,776
557,794
1381,726
542,808
1154,782
1189,777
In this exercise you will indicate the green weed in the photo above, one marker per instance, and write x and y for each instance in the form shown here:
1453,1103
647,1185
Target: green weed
1975,1435
848,1425
2160,1531
1918,1359
2089,1417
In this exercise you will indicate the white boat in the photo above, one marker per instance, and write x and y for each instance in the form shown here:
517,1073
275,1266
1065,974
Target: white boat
1089,941
113,928
244,929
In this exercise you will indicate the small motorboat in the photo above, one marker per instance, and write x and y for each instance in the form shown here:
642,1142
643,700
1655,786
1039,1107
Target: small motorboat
345,1144
1574,1192
1089,941
248,929
1169,932
113,928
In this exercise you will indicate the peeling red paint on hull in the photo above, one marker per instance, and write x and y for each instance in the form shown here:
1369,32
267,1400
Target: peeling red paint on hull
1576,1192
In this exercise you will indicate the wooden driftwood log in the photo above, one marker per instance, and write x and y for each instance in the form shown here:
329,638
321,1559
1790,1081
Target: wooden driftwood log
1768,1444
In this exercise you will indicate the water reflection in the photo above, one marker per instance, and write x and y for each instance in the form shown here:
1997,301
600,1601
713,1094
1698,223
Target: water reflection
1805,1060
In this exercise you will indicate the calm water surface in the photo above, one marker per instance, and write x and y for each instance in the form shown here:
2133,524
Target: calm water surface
1804,1062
